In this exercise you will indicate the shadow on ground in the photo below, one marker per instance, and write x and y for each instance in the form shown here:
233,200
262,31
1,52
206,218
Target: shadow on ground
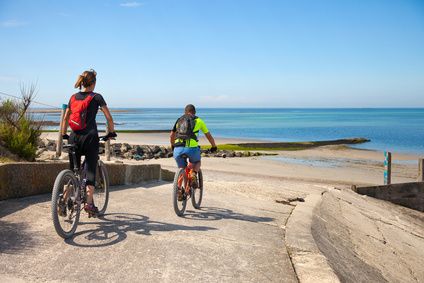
13,205
113,228
15,238
216,213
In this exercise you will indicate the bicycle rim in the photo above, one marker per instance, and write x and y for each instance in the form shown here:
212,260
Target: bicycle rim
179,205
197,193
101,191
66,226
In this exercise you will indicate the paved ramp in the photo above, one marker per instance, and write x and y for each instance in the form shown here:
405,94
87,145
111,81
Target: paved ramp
236,236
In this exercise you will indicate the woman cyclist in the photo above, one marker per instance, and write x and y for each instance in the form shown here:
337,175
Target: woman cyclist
81,117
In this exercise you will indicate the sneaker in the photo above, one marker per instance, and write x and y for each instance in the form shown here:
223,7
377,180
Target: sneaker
91,209
180,194
61,208
193,179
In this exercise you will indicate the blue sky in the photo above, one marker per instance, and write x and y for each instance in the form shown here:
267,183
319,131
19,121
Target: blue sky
218,53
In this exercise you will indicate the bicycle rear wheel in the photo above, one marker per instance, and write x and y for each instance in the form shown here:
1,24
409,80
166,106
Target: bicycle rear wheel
101,190
197,193
69,208
179,205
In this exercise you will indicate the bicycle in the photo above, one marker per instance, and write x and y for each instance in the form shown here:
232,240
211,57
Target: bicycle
72,183
183,186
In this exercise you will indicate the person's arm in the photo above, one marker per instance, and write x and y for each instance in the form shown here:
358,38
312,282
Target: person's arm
172,138
210,139
64,128
109,118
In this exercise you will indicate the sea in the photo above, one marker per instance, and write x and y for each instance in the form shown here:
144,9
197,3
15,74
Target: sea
389,129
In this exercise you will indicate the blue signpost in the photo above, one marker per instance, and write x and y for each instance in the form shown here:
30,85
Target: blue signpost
387,168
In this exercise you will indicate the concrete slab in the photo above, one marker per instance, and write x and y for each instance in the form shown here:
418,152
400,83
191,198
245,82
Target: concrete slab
235,237
310,265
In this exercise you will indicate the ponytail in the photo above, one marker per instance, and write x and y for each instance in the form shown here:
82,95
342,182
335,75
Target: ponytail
78,84
86,79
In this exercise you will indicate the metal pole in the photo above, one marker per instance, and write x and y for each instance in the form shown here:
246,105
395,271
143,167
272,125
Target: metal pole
59,137
107,144
420,170
387,168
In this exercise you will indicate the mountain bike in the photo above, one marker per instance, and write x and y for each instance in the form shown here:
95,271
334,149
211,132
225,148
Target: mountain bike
70,188
183,190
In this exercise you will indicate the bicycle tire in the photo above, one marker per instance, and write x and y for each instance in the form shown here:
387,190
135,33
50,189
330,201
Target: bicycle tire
197,193
179,211
101,190
57,190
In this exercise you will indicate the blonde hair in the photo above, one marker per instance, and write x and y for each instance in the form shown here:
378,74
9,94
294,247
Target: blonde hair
86,79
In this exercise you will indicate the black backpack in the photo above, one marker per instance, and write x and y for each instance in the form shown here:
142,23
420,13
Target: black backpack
185,126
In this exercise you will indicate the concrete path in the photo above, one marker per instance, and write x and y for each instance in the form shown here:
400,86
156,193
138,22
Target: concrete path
237,236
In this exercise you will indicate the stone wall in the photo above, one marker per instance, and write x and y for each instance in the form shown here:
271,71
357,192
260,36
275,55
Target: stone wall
406,194
31,178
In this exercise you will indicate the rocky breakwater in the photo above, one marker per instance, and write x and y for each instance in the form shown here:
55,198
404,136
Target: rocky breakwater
140,152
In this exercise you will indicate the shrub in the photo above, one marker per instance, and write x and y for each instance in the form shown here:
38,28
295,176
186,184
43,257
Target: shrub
18,132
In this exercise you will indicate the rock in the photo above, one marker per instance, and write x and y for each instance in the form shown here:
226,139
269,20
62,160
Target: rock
125,148
148,155
155,149
101,150
239,154
119,161
128,155
137,157
116,147
169,154
246,153
51,146
40,151
137,150
41,143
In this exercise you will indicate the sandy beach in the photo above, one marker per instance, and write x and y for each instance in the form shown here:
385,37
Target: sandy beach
337,164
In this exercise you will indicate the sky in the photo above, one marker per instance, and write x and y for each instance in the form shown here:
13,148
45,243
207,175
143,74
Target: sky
218,53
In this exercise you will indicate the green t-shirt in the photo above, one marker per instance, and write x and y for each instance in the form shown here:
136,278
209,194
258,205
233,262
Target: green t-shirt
198,126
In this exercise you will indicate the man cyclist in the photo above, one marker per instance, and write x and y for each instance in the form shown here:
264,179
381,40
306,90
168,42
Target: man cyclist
184,141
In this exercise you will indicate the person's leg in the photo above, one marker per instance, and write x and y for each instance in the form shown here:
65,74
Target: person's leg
181,162
91,152
194,158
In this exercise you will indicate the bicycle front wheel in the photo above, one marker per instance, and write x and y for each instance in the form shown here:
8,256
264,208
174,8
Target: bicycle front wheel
197,193
65,205
101,190
179,197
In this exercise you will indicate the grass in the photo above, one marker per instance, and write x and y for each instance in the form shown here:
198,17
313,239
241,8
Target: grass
286,146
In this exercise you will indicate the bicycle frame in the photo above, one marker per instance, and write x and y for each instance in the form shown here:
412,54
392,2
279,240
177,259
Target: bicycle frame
81,194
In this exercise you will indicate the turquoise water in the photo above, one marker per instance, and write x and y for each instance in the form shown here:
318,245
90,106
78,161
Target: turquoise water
389,129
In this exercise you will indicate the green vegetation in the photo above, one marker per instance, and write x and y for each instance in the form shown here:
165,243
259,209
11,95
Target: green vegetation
18,132
286,146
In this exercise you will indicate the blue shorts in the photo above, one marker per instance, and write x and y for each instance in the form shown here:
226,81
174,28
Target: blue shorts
193,154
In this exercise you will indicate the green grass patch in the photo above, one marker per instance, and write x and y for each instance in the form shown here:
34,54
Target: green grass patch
286,146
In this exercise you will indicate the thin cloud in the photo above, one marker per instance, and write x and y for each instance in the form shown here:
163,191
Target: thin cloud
131,4
12,24
8,78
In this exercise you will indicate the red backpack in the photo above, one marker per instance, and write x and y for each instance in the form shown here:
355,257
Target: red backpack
78,118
